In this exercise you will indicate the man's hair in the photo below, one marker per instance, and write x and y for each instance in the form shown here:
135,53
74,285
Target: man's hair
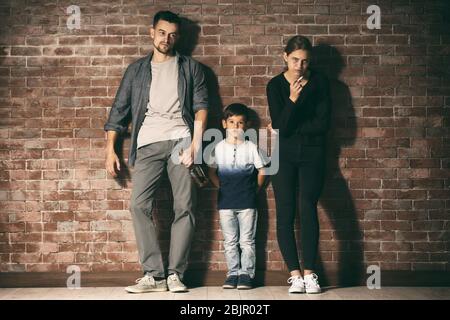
168,16
236,109
296,43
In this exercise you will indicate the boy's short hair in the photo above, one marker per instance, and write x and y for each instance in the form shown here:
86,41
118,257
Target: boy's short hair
236,109
168,16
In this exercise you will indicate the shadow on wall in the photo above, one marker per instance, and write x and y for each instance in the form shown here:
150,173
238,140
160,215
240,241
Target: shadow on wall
203,242
124,174
262,227
336,199
204,238
189,34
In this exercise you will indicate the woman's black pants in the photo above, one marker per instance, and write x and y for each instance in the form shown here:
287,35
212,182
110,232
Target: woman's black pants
302,167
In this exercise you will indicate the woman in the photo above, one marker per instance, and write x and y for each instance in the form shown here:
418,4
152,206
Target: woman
299,106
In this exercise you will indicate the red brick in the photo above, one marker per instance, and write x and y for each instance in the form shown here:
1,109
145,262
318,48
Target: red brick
395,246
413,256
387,156
236,60
217,30
250,70
26,51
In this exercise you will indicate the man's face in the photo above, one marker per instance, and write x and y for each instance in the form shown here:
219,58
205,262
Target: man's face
164,35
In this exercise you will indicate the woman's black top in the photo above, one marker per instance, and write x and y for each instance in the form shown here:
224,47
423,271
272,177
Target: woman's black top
308,119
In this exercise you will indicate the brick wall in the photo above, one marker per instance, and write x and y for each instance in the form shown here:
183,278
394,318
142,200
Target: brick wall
386,200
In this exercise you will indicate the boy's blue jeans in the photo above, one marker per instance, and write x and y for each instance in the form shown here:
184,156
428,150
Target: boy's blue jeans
239,230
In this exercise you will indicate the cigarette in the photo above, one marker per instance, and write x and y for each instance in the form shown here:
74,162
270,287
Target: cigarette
299,79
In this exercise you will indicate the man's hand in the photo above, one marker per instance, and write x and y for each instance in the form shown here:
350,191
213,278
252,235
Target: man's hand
111,157
187,157
111,162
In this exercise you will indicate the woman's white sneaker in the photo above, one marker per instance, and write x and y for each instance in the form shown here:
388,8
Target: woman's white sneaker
297,284
312,283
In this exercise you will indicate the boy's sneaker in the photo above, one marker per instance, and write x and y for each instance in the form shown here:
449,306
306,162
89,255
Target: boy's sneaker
244,282
231,282
312,283
147,284
297,284
174,283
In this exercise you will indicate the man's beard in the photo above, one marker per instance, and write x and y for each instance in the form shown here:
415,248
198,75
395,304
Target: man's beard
163,50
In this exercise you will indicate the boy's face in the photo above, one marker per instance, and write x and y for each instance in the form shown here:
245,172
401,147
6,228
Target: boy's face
235,126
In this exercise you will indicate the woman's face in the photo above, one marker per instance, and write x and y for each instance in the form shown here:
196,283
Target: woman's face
297,61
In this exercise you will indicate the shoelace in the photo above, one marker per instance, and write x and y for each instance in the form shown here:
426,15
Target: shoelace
295,280
314,279
144,279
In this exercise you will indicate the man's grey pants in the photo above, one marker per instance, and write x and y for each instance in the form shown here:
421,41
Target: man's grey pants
150,162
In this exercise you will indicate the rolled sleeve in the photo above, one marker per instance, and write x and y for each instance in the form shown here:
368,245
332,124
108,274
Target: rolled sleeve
200,95
119,116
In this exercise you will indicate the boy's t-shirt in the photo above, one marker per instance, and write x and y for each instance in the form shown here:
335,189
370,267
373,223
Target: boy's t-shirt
237,166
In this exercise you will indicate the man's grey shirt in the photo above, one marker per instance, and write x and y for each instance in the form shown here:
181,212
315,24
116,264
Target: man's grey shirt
163,120
132,97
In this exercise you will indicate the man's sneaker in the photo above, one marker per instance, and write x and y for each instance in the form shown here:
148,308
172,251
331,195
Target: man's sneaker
174,283
297,284
231,282
244,282
147,284
312,283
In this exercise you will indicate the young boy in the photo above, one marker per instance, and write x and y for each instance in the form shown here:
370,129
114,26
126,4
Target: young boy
236,168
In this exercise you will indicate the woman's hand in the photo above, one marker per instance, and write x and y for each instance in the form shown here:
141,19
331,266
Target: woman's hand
295,88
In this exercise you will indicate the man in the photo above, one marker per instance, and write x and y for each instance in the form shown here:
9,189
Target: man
163,94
